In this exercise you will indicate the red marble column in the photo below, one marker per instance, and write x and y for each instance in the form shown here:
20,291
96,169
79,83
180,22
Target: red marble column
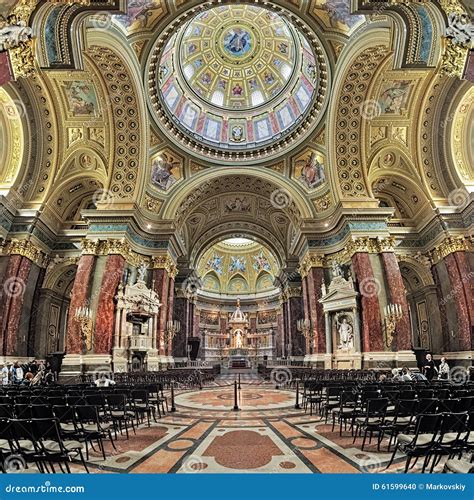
170,315
306,309
397,294
79,298
459,273
442,309
105,318
13,291
315,281
161,284
467,280
279,336
372,338
295,312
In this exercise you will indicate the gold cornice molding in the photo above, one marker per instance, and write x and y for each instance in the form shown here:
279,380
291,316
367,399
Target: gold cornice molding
450,245
24,8
309,261
164,262
454,59
27,249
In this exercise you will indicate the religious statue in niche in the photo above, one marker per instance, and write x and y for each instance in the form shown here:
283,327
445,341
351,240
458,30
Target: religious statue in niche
163,173
345,331
394,96
312,172
336,269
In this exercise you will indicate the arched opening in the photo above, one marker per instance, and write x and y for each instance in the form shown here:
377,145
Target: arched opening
238,302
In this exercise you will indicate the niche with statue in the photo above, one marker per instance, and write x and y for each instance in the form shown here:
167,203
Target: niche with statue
339,301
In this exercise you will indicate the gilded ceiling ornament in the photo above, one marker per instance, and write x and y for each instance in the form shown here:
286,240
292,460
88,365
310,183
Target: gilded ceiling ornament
22,59
451,6
454,59
153,204
322,203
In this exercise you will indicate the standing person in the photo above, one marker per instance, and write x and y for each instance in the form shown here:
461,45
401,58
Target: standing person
443,370
17,372
429,368
5,375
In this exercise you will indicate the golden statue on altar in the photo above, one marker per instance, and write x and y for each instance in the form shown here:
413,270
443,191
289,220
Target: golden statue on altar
238,325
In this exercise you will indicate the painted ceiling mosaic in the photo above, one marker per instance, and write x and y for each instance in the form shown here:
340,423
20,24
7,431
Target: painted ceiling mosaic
237,268
238,76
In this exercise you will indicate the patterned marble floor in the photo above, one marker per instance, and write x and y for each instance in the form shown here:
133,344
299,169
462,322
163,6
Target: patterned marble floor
205,435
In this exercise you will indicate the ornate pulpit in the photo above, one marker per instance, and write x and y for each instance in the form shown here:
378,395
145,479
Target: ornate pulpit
136,328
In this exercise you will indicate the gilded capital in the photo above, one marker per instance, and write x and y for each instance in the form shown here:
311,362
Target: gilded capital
450,245
309,261
27,249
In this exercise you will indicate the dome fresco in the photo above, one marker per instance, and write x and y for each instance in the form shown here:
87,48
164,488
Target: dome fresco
237,76
237,268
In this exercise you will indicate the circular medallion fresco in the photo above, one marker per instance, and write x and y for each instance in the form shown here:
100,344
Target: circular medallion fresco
237,77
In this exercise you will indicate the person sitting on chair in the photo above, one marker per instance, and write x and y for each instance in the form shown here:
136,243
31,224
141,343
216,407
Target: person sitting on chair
104,381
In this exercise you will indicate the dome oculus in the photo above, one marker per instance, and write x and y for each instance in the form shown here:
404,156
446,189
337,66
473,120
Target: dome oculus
236,78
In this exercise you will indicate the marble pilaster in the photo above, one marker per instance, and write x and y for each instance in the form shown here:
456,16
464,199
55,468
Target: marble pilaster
79,298
397,293
104,323
372,337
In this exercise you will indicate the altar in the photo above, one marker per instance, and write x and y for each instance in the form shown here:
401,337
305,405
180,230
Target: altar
239,358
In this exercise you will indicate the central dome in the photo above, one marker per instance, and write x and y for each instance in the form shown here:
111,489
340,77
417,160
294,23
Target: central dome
237,58
235,81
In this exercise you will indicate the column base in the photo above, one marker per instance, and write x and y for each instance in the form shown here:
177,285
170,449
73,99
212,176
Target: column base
346,360
76,364
315,360
388,360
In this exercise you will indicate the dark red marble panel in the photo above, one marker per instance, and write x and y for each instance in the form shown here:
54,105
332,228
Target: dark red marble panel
170,316
105,318
296,312
467,281
442,309
79,298
397,294
9,284
6,74
161,284
372,338
16,287
460,303
315,282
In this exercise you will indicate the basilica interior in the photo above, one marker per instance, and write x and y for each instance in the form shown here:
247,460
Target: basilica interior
238,206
